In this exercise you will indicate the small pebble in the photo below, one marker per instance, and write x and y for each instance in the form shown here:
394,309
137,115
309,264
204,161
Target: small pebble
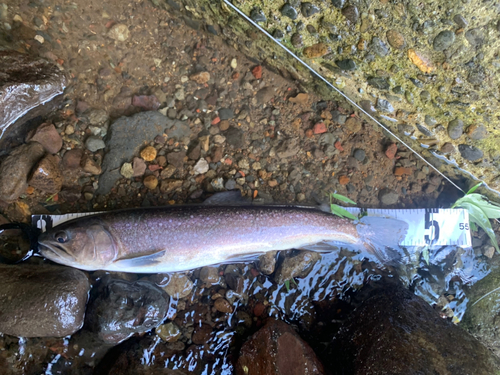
168,332
94,144
119,32
201,167
149,153
360,154
222,305
151,182
127,170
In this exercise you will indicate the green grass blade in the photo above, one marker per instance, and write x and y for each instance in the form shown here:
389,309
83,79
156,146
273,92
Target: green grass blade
425,254
474,188
341,198
491,209
477,215
339,211
287,285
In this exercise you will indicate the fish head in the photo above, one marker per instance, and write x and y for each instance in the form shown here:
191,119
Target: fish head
84,244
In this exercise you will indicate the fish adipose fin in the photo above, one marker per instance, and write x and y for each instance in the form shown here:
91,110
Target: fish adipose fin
382,237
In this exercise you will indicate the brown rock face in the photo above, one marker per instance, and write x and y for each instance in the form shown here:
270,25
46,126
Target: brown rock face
48,137
26,83
276,349
46,176
396,332
42,300
15,169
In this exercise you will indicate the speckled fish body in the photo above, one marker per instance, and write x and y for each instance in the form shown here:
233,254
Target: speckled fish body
173,239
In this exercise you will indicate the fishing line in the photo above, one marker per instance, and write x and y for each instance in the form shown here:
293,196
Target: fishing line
337,90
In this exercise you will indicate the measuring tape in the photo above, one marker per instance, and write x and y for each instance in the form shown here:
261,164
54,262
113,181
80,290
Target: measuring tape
429,226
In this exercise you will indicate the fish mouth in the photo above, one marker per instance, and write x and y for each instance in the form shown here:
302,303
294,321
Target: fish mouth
57,250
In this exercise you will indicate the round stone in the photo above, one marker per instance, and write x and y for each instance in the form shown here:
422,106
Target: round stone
470,152
379,47
278,34
119,32
359,154
346,64
395,39
257,15
455,128
149,153
443,40
429,120
309,9
289,11
477,132
94,143
151,182
351,13
296,40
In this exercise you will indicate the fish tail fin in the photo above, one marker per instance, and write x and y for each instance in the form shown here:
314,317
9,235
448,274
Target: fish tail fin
382,237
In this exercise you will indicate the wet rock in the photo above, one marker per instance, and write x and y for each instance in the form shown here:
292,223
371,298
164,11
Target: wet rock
146,102
471,153
296,40
430,121
200,77
48,137
288,11
351,13
265,94
94,143
72,158
384,106
97,117
267,262
379,83
201,334
257,15
42,300
309,9
223,306
119,32
151,182
27,89
138,167
15,169
118,308
460,21
169,332
210,275
475,37
338,3
448,148
388,196
359,154
316,50
125,138
200,167
477,132
455,128
443,40
235,137
411,337
296,266
276,349
226,113
346,64
46,175
178,286
148,153
338,117
127,170
176,158
379,47
395,39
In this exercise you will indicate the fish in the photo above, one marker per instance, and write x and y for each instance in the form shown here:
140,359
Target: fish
181,238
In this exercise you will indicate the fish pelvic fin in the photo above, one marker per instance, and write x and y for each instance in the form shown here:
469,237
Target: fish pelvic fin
382,237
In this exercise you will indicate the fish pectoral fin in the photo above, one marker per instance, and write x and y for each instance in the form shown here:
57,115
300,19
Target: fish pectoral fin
242,258
130,261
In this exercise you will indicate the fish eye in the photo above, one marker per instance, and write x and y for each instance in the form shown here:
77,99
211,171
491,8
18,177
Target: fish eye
61,237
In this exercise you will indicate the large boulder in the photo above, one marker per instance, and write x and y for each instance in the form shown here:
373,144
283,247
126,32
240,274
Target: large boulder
42,300
28,86
483,309
119,308
276,349
394,331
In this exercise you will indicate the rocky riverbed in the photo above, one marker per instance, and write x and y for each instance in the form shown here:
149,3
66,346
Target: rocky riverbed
157,111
